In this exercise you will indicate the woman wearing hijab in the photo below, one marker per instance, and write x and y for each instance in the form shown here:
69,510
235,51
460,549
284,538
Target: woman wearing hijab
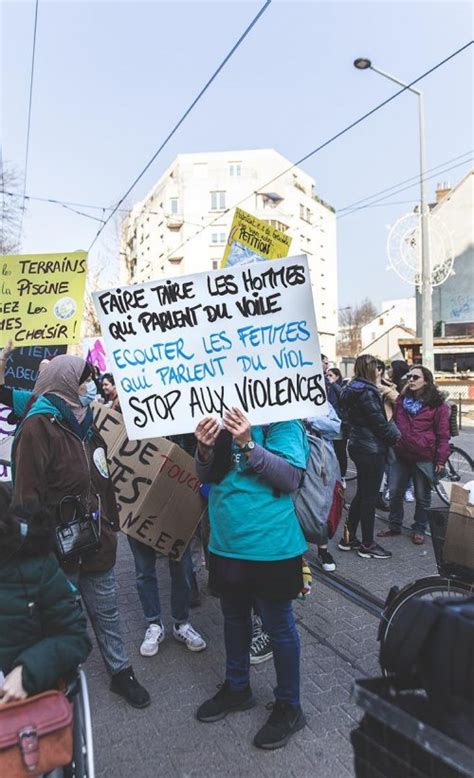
58,453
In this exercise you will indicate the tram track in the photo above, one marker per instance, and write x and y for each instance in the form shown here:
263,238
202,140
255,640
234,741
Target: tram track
349,589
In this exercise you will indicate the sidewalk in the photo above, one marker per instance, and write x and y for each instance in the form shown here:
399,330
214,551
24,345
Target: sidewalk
338,645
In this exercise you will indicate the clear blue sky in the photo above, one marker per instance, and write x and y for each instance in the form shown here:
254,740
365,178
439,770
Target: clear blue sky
112,78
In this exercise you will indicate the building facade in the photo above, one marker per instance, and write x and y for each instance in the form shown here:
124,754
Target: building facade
182,225
393,312
453,301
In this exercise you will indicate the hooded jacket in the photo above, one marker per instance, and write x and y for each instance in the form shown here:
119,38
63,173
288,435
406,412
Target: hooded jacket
51,462
362,407
424,437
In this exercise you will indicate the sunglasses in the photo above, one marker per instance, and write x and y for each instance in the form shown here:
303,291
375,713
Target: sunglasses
414,378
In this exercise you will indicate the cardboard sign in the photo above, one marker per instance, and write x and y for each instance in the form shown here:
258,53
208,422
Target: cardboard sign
42,298
253,240
193,346
155,484
459,542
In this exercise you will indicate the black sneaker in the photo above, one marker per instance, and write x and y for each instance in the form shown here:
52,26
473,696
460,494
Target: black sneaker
284,721
326,560
125,684
224,702
261,647
350,545
374,551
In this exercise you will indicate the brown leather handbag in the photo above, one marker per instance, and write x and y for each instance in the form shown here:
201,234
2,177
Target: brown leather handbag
35,735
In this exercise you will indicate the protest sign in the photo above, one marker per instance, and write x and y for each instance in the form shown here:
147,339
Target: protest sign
184,348
6,439
93,352
42,298
21,369
253,240
155,484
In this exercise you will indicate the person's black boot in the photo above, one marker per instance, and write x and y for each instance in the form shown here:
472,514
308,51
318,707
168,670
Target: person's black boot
284,721
224,702
125,684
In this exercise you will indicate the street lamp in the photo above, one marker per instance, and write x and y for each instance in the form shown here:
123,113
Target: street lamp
362,63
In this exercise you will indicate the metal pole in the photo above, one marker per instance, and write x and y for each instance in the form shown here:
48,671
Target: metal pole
426,289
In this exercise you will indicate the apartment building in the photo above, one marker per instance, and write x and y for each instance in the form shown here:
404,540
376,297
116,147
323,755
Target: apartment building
182,225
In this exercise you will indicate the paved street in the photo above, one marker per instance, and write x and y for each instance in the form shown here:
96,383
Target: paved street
338,645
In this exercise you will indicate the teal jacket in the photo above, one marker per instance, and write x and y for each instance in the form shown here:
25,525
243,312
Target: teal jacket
42,625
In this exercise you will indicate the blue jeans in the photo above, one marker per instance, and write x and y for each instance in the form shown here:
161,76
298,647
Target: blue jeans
99,594
279,623
147,582
400,474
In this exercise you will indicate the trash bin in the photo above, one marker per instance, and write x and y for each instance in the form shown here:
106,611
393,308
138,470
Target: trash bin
397,737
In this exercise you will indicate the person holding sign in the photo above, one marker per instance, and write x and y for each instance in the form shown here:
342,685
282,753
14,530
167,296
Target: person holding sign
255,554
59,461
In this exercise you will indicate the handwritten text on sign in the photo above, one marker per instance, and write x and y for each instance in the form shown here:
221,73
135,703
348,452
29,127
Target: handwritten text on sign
195,345
42,298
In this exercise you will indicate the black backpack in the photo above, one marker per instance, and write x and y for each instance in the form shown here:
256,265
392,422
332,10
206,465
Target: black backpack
431,646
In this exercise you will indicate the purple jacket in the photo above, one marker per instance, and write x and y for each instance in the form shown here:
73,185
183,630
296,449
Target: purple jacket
425,437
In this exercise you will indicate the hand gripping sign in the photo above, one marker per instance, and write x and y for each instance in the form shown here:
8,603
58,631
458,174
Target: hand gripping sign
183,348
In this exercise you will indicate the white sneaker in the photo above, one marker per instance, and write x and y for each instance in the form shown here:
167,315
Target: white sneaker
409,496
153,637
186,634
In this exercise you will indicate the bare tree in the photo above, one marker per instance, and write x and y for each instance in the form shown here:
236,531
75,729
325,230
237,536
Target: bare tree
10,208
351,321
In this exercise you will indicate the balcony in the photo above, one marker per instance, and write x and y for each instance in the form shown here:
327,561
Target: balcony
174,221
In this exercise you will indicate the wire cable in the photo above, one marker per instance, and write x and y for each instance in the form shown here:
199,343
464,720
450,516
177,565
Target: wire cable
340,212
185,115
330,140
416,179
399,191
28,124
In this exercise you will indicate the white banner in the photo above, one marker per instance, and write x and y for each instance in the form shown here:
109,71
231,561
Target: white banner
192,346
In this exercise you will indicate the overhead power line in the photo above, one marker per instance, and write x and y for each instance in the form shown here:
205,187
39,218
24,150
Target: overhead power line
341,213
399,191
184,116
330,140
28,123
416,179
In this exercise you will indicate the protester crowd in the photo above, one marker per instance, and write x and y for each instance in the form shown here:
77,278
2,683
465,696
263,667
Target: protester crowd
394,426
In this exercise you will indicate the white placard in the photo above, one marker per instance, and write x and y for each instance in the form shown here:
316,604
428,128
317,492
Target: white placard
184,348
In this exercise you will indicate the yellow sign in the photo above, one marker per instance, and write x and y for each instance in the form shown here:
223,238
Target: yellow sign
42,298
251,240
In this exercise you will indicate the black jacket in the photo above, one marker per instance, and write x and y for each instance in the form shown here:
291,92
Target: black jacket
362,407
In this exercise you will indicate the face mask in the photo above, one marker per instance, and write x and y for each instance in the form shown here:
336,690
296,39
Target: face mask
90,393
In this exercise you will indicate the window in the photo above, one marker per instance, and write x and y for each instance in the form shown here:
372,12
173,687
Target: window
215,264
301,211
234,169
218,237
381,322
174,205
308,215
217,201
